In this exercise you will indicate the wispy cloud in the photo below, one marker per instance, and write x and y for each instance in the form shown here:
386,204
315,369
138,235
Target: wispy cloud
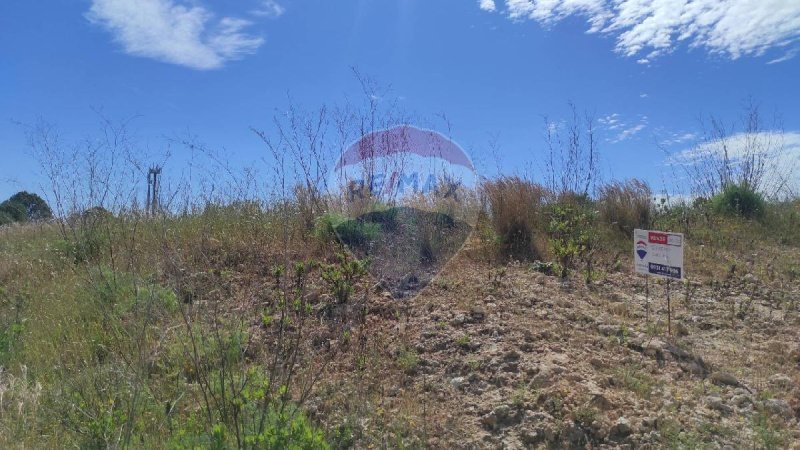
176,33
648,29
619,129
789,55
629,132
487,5
269,8
676,138
610,121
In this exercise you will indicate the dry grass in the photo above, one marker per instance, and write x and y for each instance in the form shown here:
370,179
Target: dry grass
626,205
516,214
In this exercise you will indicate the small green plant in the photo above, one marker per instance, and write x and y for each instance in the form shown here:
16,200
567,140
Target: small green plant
463,341
622,335
408,360
473,364
8,338
739,200
634,379
767,432
342,277
584,415
674,437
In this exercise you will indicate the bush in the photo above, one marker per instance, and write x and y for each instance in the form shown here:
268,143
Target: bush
385,217
572,235
739,200
325,226
86,245
342,278
515,207
626,206
357,233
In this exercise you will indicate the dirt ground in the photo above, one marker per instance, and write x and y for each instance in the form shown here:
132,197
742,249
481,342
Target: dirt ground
505,357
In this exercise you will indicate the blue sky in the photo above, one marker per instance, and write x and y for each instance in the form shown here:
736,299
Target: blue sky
646,70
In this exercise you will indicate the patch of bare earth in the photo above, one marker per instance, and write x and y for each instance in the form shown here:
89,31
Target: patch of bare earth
509,358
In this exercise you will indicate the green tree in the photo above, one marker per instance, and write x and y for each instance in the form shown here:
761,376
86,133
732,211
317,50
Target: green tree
13,211
24,207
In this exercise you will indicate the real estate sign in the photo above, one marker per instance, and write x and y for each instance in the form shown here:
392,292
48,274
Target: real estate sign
658,253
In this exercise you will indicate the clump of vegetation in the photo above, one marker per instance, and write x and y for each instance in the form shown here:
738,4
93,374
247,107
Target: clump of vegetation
325,227
572,235
739,200
356,233
516,214
408,359
634,378
626,205
342,277
767,432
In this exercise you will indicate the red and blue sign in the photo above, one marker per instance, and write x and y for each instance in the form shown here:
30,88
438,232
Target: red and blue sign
641,249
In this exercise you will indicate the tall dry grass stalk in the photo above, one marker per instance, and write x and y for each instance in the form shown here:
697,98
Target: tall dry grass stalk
516,212
626,205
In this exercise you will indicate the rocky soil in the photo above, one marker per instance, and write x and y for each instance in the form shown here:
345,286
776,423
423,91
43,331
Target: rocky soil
509,358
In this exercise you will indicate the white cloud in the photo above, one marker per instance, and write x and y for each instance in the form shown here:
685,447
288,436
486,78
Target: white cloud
488,5
610,121
678,138
649,28
789,55
269,8
622,130
779,151
629,132
643,95
175,33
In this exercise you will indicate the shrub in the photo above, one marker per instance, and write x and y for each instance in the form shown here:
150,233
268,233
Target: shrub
86,245
739,200
385,217
627,205
342,277
356,233
515,207
125,294
572,235
325,226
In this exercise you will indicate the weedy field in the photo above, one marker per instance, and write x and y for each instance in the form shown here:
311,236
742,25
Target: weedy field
250,326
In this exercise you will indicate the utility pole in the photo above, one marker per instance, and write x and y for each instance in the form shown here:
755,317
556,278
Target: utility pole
153,184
